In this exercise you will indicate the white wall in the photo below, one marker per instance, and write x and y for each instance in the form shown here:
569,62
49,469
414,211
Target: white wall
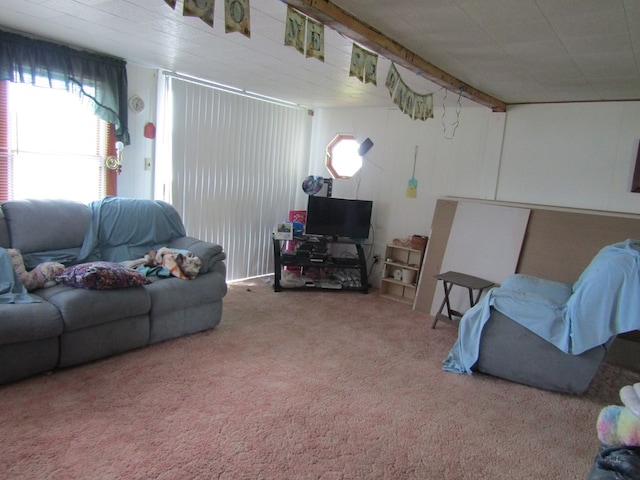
575,155
135,181
466,165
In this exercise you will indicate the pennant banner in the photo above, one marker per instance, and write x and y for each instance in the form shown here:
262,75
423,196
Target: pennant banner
417,106
299,27
371,68
315,39
392,79
364,64
295,29
202,9
236,17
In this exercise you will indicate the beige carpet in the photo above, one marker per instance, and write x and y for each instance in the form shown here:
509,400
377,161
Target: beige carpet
297,385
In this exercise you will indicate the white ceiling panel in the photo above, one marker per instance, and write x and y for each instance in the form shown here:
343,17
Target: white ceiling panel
518,51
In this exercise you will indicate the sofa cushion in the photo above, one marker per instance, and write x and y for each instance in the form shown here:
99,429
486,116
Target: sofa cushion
43,225
99,341
174,293
101,276
82,308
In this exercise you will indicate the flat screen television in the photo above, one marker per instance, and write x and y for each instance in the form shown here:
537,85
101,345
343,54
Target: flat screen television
338,217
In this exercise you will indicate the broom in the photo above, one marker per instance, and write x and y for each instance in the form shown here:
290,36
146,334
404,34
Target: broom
412,188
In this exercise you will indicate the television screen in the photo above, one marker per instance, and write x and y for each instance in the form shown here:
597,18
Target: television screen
338,217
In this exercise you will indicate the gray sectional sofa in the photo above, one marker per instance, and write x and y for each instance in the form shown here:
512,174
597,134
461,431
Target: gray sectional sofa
66,325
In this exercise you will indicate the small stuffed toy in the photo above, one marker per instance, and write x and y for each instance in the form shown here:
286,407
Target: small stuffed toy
42,276
619,425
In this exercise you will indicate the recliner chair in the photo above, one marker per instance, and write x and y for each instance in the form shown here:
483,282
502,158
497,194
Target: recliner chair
548,334
510,351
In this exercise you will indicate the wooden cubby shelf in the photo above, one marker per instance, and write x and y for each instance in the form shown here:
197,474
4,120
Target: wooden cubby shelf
401,273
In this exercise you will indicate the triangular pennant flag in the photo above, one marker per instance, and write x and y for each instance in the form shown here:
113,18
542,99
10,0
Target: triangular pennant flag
392,80
356,69
236,17
202,9
171,3
401,92
370,67
364,64
424,107
315,39
409,102
295,29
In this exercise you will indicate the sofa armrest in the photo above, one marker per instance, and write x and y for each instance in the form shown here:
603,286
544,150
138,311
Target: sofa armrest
211,254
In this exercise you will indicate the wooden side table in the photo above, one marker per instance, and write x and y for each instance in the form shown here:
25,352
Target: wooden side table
471,283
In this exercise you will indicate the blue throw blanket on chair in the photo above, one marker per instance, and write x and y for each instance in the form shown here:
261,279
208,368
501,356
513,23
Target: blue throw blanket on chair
604,302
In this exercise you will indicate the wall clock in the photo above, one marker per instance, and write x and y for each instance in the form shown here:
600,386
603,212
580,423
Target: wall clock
136,104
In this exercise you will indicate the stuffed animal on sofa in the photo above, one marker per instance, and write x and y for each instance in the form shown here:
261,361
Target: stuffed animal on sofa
42,276
620,425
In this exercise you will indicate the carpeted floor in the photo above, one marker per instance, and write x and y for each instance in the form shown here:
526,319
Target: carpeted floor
297,385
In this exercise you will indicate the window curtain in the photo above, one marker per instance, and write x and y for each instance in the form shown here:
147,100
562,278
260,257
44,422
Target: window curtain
231,165
99,78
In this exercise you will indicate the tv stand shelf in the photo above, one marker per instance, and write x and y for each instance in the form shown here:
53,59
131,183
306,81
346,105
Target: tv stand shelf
317,268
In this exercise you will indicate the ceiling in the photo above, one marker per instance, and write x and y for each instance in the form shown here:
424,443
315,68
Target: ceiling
517,51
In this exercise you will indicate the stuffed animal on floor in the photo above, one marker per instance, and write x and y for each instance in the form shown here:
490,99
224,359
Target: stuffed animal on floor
42,276
620,425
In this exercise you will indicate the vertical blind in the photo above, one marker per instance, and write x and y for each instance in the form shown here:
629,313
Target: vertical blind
231,165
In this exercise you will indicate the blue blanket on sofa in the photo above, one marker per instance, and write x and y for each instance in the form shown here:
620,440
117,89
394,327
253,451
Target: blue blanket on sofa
603,302
126,228
11,290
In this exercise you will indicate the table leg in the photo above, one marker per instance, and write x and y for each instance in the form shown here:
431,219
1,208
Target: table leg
447,289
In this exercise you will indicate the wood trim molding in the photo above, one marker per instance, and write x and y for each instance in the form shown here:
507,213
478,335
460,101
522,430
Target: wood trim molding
343,22
111,176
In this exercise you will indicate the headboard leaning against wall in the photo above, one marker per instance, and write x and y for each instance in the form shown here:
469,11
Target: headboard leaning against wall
558,243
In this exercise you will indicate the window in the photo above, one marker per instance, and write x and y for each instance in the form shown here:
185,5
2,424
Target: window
51,145
343,160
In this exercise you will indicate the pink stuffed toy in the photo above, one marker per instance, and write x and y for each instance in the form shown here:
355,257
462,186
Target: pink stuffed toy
42,276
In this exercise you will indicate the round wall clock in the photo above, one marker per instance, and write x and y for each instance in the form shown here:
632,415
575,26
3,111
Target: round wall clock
136,104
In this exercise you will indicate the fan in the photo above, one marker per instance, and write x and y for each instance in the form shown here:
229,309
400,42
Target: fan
312,184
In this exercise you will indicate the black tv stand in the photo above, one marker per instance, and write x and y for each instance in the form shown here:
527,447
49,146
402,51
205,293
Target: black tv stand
311,256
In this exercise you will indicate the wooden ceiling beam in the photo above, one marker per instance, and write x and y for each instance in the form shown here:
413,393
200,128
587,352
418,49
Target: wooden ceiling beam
343,22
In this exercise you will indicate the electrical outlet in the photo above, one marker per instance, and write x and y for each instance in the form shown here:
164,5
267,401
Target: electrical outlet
376,258
147,164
